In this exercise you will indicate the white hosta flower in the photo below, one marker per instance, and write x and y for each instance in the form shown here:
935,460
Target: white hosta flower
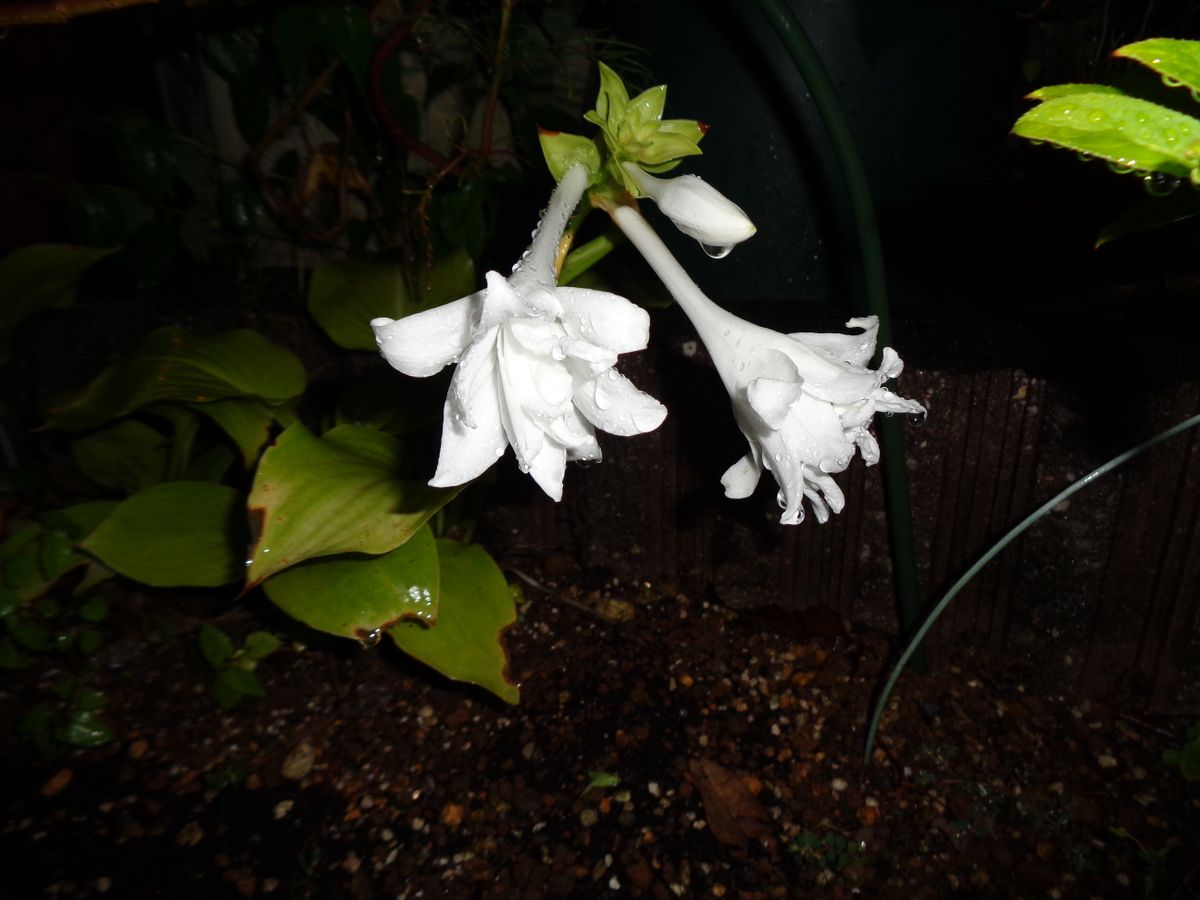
535,363
803,401
697,208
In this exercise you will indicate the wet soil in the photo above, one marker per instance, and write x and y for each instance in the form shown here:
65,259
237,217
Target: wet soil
664,747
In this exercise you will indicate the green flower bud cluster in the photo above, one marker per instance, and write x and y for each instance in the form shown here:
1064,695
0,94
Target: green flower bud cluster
633,130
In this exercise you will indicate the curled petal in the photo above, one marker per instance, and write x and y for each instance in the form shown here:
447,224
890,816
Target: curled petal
605,319
547,469
772,399
741,478
611,403
425,343
855,349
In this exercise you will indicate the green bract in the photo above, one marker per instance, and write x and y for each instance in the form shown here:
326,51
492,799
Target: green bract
635,131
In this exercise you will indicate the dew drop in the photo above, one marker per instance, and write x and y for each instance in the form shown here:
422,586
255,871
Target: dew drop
499,451
1196,95
1171,82
717,252
1159,184
1096,117
1084,157
371,638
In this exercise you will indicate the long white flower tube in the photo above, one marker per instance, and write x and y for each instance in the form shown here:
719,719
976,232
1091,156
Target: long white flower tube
535,363
803,401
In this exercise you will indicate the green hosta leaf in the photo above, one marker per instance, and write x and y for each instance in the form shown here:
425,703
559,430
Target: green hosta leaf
127,456
358,596
247,422
344,297
334,494
1054,91
564,150
37,279
182,533
211,465
215,645
56,554
169,364
388,401
1123,130
80,519
474,609
1178,62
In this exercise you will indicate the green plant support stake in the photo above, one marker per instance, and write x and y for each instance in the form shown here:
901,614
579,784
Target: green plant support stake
995,549
891,433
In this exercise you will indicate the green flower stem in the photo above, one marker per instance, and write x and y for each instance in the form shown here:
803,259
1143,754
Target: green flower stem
891,434
587,255
987,557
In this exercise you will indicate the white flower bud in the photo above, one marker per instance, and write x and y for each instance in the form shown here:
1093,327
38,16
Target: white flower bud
697,208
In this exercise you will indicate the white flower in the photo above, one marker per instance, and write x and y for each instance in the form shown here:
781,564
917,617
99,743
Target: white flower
803,401
535,365
697,208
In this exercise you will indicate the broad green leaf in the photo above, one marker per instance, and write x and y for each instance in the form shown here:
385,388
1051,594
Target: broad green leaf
345,296
1055,91
80,519
127,456
474,609
37,279
1123,130
358,596
211,465
388,401
215,645
340,493
247,422
56,553
182,533
169,364
1177,61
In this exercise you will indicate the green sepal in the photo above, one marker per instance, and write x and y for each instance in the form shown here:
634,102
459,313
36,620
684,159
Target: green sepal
665,147
612,99
648,105
564,150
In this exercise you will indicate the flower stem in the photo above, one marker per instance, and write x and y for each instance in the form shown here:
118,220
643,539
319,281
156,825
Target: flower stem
891,435
706,316
537,265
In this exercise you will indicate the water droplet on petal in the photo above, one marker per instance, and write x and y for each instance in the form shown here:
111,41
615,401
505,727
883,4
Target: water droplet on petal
717,252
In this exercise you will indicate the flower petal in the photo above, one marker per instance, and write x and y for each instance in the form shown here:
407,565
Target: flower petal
474,385
741,478
425,343
855,349
605,319
548,469
611,403
772,399
468,452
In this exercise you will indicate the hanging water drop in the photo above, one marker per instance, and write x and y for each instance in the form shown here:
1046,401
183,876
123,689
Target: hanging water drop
370,638
717,252
1159,184
1171,82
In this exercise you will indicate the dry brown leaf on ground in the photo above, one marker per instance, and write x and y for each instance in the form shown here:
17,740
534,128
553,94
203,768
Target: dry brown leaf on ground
733,815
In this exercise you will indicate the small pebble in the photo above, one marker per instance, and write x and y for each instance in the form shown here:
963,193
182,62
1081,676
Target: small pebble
838,785
1106,761
589,817
299,762
283,807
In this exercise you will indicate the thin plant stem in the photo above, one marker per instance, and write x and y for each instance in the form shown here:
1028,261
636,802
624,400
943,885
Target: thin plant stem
891,434
1016,531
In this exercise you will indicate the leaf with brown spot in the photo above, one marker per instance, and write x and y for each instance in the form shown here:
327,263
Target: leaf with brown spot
733,815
